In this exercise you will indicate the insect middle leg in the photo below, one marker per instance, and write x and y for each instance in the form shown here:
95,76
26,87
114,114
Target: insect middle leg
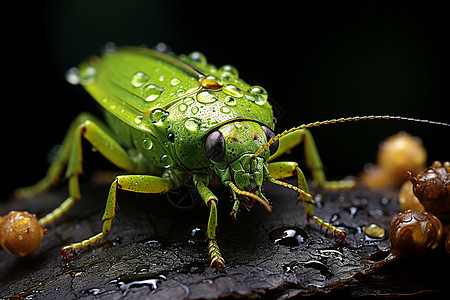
313,161
70,154
134,183
279,170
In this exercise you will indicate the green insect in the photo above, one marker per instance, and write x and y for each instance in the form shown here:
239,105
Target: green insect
169,118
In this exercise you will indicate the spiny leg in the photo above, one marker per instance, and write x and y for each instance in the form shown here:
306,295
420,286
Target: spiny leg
213,248
134,183
313,161
97,134
287,169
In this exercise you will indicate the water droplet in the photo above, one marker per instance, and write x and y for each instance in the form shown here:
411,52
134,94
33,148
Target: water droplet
225,109
374,231
138,120
87,73
195,110
188,100
151,92
352,210
206,97
230,101
232,90
192,124
175,81
198,57
183,107
147,144
228,72
318,265
288,235
258,94
139,79
158,116
180,92
211,83
161,78
162,47
72,76
197,234
109,48
128,282
165,160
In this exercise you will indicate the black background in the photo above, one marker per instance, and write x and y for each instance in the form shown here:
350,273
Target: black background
317,60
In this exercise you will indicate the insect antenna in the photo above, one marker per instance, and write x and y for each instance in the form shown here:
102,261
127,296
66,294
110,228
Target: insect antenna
251,195
343,120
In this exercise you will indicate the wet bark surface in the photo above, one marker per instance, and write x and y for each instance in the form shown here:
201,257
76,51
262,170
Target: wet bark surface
157,251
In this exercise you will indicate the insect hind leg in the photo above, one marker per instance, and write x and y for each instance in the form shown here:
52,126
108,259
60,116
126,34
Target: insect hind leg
286,169
70,154
313,161
310,211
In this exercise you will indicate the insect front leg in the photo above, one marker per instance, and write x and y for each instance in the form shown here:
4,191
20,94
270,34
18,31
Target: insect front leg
98,135
313,161
279,170
134,183
213,248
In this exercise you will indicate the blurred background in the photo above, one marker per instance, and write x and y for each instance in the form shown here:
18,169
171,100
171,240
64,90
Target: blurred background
317,60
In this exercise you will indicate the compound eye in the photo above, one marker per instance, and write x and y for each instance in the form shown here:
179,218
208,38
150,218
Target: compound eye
215,146
269,135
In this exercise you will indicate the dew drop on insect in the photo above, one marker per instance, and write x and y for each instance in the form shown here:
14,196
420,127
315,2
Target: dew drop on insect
198,57
182,107
374,231
225,109
192,124
72,76
232,90
230,101
175,81
188,100
238,125
139,79
87,74
206,97
165,160
138,120
228,72
211,83
147,144
257,94
151,92
195,110
158,115
109,48
180,92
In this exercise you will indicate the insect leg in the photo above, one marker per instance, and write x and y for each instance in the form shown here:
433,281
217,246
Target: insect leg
286,169
98,135
57,166
134,183
313,161
213,248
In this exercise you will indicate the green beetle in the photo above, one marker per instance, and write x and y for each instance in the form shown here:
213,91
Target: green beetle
169,118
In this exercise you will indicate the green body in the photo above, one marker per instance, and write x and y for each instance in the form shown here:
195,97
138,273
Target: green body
152,95
169,118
